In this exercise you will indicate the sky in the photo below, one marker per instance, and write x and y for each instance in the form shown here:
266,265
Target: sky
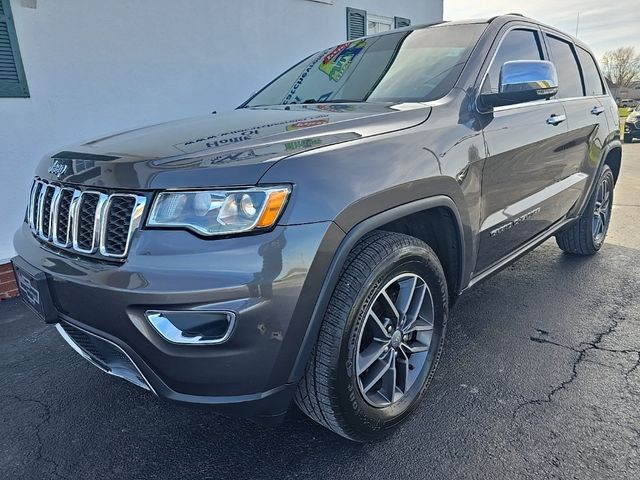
604,24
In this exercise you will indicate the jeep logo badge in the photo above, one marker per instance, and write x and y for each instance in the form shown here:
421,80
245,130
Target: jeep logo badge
58,169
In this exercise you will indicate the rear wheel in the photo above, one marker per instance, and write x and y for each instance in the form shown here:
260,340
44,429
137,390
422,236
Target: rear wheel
380,339
587,234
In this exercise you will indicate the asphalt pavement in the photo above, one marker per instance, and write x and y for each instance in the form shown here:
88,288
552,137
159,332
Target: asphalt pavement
540,378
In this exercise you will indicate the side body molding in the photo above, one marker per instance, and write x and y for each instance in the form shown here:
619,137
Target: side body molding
347,244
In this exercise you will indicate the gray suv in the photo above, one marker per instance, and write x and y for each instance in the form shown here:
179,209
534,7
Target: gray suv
308,246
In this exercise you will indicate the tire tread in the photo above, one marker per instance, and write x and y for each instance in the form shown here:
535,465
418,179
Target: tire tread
316,395
577,238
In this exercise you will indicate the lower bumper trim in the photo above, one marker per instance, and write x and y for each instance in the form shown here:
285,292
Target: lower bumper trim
102,353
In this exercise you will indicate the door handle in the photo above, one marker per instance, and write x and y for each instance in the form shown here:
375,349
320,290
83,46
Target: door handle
556,119
597,110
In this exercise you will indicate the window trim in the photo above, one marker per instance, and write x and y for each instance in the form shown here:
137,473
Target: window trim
21,89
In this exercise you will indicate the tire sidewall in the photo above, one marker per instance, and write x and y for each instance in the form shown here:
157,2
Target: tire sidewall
357,411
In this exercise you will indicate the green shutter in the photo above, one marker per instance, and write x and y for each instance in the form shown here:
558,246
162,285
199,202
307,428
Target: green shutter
399,22
356,23
12,80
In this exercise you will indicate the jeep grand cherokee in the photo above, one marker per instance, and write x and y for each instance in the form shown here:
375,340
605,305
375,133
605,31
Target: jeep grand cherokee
308,245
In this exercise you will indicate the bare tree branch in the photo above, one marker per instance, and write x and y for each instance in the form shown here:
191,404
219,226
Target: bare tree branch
622,66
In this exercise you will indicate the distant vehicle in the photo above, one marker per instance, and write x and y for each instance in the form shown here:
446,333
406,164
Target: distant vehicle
627,103
308,245
632,126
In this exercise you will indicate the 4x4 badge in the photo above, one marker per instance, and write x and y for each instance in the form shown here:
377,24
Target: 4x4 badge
57,168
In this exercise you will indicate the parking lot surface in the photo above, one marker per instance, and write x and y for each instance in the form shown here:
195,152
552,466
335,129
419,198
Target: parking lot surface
540,378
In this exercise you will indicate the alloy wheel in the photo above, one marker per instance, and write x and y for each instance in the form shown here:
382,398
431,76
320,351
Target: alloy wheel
602,211
394,340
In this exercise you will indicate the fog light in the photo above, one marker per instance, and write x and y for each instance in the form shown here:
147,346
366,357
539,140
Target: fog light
192,327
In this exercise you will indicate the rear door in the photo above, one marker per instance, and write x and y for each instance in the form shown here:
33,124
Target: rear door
524,184
582,93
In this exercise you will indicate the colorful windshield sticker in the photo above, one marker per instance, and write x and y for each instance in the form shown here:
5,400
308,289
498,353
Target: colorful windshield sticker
336,63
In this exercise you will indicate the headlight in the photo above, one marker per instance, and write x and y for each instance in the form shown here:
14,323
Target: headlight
219,212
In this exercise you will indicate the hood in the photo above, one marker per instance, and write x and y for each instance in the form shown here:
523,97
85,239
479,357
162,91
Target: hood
633,117
229,149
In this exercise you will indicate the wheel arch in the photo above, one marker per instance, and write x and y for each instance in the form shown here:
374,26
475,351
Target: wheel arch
440,204
611,156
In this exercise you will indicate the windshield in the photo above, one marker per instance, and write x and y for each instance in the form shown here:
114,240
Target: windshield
417,65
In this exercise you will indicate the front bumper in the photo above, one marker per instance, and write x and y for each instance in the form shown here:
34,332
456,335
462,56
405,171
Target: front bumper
632,129
264,279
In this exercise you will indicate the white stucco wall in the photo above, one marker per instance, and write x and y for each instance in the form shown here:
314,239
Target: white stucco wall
96,66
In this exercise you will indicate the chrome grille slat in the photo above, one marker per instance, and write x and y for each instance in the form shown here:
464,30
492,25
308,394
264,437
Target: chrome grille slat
87,222
40,211
31,209
133,221
61,218
49,199
83,220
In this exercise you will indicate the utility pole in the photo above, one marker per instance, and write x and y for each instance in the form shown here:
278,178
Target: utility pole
577,24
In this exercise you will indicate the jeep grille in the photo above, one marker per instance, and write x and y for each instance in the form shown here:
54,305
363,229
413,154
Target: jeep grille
86,221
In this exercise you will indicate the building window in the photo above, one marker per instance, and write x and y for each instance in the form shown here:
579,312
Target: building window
361,23
378,24
13,82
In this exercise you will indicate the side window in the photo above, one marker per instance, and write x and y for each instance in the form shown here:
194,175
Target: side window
564,57
516,45
592,81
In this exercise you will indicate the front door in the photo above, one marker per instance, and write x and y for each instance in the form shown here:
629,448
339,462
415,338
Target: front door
524,189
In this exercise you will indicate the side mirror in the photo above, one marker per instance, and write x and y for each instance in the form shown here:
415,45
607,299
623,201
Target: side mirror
523,81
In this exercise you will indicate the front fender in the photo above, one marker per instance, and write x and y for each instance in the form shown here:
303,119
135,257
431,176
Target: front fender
346,245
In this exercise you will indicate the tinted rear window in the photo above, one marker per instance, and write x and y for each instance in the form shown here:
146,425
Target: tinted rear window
592,82
564,58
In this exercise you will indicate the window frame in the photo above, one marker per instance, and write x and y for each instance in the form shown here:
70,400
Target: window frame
603,83
493,53
543,32
10,89
548,35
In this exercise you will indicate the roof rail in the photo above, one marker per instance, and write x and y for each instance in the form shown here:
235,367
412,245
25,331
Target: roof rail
506,15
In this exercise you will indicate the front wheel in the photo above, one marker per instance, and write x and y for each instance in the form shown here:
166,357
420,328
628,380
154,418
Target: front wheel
380,339
628,139
586,235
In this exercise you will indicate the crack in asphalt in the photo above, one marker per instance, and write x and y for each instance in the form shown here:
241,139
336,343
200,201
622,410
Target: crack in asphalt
635,365
615,318
44,419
